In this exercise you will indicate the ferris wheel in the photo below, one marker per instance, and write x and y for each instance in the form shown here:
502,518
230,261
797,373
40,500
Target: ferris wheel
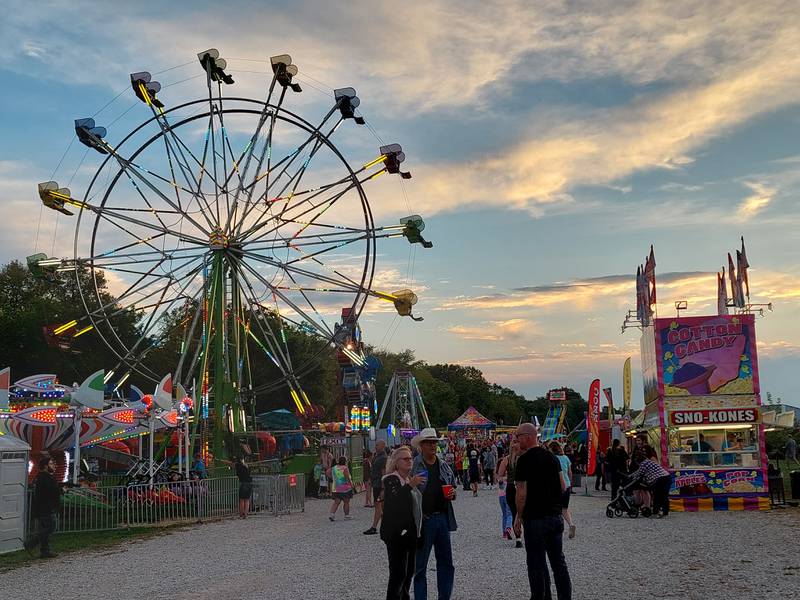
226,223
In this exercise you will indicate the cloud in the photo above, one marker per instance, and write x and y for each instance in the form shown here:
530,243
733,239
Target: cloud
494,331
777,348
581,294
580,353
756,202
715,64
618,292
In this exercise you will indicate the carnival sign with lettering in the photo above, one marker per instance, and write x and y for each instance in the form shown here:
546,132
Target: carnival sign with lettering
707,355
593,425
714,416
696,483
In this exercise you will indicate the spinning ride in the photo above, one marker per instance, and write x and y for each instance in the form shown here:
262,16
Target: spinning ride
229,225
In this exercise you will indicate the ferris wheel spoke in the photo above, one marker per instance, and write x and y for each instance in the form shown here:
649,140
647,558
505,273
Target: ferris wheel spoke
136,303
326,203
212,134
291,304
110,216
266,113
130,168
266,154
292,270
156,316
268,333
164,126
319,140
298,175
306,241
267,219
313,255
138,287
240,175
137,256
224,156
314,136
170,275
194,185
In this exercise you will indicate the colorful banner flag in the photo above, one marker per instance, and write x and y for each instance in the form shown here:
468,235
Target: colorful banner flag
738,301
650,275
722,294
593,425
607,392
743,266
626,386
639,295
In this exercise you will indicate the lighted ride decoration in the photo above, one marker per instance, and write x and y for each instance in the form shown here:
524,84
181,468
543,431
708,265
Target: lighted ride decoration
357,374
58,420
225,222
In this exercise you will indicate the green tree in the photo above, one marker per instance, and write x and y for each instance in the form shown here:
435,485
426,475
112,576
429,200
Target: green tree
29,303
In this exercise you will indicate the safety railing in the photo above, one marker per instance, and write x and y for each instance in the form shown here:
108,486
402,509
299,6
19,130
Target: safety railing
160,505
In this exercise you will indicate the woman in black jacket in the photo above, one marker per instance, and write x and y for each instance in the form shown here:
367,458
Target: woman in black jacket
402,522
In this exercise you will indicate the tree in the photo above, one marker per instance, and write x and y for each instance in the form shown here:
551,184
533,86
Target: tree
28,303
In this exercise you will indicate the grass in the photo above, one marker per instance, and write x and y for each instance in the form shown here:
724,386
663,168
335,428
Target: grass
66,543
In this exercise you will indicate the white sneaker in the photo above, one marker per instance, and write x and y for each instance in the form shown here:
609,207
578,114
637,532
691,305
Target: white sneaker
348,518
331,518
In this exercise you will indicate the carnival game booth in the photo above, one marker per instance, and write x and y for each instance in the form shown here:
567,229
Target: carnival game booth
472,424
703,410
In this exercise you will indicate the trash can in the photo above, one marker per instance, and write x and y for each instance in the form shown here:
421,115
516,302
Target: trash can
794,479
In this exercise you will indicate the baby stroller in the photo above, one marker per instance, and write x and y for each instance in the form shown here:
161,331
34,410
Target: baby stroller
625,501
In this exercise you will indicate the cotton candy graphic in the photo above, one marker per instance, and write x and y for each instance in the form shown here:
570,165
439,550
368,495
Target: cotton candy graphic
707,371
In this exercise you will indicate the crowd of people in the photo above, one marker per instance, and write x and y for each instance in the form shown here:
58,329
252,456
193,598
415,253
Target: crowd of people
412,488
640,467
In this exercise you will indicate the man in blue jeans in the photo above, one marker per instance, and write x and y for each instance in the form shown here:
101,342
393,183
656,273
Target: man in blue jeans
438,518
540,485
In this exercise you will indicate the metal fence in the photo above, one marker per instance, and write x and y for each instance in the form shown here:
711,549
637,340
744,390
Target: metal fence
160,505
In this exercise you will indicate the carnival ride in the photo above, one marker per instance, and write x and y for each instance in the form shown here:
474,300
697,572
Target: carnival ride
405,404
67,421
554,422
357,374
227,223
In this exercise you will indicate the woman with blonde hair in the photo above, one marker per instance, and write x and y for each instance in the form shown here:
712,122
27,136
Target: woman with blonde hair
401,526
507,470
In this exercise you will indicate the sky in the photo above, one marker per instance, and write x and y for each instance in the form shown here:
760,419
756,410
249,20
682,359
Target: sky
550,144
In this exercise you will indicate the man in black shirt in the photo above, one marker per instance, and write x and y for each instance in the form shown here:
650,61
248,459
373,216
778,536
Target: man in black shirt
438,517
617,464
540,484
46,504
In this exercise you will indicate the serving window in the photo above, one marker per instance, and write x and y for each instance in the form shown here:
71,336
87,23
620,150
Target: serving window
713,447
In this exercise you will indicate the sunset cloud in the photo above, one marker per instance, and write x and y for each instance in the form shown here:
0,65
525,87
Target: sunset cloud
756,202
495,331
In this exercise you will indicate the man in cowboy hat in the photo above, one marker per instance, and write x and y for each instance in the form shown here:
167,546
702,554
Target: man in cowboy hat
438,516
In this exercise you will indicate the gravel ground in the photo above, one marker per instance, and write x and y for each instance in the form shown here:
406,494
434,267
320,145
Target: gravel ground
304,556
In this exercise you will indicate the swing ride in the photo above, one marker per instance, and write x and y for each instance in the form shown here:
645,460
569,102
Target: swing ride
228,226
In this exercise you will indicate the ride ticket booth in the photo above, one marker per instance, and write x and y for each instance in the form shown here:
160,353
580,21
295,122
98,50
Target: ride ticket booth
703,410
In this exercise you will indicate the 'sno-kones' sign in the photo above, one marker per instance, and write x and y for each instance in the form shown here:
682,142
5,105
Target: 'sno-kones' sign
721,416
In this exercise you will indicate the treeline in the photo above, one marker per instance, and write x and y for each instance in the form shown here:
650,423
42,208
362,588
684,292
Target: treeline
28,303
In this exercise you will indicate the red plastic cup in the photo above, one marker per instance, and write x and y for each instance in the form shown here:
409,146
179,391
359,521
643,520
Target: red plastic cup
447,490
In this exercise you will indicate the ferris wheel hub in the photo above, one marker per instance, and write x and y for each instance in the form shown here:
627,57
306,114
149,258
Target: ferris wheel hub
217,240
